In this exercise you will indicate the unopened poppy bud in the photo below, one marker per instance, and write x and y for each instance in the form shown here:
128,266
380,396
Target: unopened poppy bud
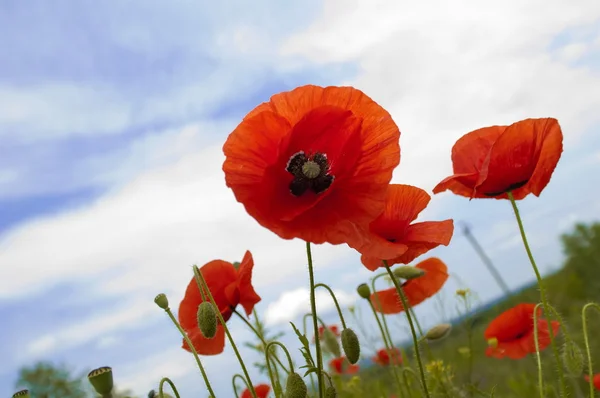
331,342
350,345
152,394
493,342
330,392
408,272
162,301
21,394
102,380
572,358
295,386
207,319
364,291
438,332
236,264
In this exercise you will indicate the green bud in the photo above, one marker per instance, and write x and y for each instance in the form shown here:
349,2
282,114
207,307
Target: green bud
152,394
295,386
162,301
21,394
207,319
236,264
438,332
102,380
330,392
331,342
350,345
364,291
408,272
572,357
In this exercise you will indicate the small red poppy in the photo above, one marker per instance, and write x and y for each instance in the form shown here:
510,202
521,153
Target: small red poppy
341,365
262,391
416,290
513,331
491,161
333,328
392,237
229,287
595,380
314,162
383,357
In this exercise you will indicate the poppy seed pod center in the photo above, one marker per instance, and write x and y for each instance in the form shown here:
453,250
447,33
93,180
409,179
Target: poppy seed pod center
310,173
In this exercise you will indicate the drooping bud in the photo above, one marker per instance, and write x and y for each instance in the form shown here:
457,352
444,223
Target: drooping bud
152,394
295,386
572,357
162,301
408,272
330,392
350,345
438,332
207,319
331,342
21,394
364,291
102,380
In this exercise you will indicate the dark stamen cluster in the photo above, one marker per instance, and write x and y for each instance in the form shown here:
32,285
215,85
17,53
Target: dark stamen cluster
297,166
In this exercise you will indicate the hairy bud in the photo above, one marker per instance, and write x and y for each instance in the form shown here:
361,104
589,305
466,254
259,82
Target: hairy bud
295,386
207,319
408,272
572,357
330,392
364,291
350,345
438,332
331,342
21,394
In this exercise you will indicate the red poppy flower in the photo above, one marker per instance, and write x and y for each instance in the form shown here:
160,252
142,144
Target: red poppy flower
383,357
513,330
333,328
491,161
416,290
392,237
262,391
341,365
313,162
229,287
595,380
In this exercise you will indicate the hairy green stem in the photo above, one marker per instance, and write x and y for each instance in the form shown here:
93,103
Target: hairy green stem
202,283
538,357
238,376
587,344
313,309
561,376
168,381
337,305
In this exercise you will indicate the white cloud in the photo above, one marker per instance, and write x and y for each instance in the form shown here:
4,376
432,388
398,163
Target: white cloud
294,303
445,68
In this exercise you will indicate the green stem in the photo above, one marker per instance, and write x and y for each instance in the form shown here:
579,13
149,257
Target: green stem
587,344
538,357
168,381
189,343
337,305
235,390
561,376
412,327
406,381
285,350
313,308
202,283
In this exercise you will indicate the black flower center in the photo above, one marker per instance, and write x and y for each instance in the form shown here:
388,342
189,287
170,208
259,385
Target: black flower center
310,173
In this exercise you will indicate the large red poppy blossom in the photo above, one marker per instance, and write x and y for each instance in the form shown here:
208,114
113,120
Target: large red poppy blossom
229,287
513,331
383,357
341,365
393,238
416,290
314,162
262,391
595,380
491,161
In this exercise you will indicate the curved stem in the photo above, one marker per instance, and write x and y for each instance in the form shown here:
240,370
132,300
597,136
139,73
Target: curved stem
337,305
238,376
202,283
538,358
561,376
167,380
412,327
194,352
287,354
406,381
587,344
313,308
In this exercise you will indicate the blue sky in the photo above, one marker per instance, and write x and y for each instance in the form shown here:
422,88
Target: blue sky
112,117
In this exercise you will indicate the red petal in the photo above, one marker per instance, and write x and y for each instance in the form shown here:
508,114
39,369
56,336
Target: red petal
262,391
422,237
205,346
512,322
248,296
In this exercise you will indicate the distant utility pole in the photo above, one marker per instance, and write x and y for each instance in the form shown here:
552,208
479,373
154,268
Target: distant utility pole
486,260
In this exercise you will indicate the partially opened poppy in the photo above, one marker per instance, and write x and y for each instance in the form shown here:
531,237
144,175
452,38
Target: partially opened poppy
393,238
385,357
512,333
491,161
341,365
416,290
229,287
595,380
262,391
314,162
